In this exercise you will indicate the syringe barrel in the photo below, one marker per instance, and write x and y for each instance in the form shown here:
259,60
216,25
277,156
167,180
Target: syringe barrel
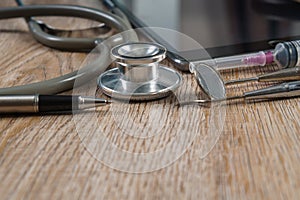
287,54
244,60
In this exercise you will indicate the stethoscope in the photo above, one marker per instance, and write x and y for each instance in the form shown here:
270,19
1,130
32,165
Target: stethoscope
139,76
40,33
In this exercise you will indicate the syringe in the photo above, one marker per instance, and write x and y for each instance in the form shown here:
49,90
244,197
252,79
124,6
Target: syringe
285,54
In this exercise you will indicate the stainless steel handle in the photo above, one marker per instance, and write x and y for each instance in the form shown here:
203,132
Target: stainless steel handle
290,89
288,74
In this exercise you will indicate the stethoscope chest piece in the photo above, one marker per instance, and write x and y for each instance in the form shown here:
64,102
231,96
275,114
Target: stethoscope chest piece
139,76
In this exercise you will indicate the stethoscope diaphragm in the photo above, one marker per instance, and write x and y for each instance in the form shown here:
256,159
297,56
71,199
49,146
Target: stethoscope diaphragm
139,76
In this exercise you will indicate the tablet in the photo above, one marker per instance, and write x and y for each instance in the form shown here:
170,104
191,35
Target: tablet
222,27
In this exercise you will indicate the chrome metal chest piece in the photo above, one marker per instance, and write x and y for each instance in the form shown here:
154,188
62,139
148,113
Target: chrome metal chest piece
139,76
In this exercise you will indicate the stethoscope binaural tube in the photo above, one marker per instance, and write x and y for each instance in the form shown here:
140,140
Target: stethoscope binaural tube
63,43
65,82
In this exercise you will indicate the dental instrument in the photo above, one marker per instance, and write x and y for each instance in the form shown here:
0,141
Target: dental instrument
209,81
284,90
289,74
286,55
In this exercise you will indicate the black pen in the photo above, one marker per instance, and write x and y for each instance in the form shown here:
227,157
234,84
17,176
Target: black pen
47,103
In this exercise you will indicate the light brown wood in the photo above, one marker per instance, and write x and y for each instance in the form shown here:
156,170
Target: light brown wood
253,155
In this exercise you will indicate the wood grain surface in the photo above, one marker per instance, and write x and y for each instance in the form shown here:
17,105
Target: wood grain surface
234,151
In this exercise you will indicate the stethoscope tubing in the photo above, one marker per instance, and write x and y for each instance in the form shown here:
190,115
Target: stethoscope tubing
63,43
64,82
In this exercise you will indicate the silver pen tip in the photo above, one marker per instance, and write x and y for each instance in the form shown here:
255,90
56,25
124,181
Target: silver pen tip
90,102
101,102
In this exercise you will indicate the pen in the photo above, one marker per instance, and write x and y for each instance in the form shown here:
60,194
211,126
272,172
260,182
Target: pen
47,103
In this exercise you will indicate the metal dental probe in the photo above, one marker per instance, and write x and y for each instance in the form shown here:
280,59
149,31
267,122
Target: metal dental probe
284,90
289,74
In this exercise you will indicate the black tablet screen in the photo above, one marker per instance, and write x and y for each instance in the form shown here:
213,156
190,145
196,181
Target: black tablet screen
223,26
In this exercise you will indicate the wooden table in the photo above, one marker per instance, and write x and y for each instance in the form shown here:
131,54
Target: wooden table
226,152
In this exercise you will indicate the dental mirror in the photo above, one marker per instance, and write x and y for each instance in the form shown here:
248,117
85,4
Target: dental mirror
209,80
